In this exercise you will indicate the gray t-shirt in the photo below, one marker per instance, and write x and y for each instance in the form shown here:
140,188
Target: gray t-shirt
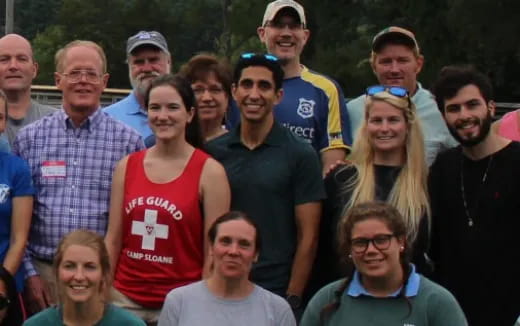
194,304
35,112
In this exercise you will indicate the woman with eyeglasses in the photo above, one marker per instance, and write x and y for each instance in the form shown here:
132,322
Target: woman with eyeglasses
387,163
82,269
163,201
16,206
381,287
210,79
10,308
227,297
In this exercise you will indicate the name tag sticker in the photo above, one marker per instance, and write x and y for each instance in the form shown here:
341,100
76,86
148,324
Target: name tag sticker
54,169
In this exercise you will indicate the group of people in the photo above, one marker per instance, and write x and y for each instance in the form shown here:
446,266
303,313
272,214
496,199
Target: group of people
226,197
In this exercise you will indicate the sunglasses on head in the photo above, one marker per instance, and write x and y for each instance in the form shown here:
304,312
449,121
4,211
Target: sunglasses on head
251,55
393,90
4,302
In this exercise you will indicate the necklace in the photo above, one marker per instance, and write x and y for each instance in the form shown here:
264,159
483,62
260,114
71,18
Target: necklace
471,220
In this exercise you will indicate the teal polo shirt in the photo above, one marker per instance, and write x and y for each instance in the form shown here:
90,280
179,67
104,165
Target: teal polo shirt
267,183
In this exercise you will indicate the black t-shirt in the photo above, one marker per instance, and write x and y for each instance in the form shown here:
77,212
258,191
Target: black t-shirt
478,262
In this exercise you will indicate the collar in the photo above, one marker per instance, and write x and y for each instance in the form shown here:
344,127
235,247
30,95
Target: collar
356,289
418,93
134,106
275,137
92,120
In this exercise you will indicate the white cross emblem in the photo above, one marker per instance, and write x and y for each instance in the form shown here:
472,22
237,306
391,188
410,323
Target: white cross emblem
149,229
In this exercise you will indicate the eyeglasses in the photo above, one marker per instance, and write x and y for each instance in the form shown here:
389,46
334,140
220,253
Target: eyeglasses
381,242
251,55
75,76
281,25
4,302
393,90
199,91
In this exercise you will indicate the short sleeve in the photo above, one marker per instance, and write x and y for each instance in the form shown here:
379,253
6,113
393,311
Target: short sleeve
445,310
336,125
170,311
22,181
307,178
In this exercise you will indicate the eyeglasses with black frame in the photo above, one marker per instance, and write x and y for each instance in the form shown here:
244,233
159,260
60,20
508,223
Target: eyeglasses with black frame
4,302
393,90
381,242
74,76
293,26
251,55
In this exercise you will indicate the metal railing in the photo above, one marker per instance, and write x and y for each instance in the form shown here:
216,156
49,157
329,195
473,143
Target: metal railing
51,95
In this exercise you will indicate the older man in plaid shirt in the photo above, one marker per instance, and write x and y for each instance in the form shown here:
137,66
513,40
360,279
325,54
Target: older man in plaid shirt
71,154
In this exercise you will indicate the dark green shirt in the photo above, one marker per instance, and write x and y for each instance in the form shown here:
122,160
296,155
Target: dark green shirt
267,183
432,306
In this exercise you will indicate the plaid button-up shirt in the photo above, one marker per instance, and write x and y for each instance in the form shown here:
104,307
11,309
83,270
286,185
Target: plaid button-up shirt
77,195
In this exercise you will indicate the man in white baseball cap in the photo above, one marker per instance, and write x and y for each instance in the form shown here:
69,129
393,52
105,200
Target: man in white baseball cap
313,105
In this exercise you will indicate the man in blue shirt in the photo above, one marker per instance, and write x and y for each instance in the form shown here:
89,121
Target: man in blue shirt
148,57
313,104
71,155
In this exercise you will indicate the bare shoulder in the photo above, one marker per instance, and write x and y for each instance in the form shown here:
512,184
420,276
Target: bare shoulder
213,168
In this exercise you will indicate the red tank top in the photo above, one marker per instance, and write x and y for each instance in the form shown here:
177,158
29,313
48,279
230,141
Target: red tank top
162,238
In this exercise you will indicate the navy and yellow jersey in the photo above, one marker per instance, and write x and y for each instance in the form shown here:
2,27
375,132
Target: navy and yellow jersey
313,108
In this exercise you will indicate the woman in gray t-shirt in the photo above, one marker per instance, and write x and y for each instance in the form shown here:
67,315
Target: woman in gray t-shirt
227,297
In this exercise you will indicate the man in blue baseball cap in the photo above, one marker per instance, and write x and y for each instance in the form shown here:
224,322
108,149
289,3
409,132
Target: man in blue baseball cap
148,57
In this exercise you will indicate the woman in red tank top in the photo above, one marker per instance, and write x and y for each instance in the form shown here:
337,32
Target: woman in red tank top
163,201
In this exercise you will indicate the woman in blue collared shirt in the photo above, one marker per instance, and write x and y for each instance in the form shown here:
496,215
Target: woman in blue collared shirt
16,206
382,287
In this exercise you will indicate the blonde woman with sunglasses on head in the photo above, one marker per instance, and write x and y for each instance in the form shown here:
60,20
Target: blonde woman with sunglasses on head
387,163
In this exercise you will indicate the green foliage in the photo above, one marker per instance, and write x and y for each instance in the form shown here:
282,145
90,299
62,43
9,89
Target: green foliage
479,32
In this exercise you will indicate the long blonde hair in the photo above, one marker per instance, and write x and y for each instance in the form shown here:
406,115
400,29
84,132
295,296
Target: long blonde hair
409,193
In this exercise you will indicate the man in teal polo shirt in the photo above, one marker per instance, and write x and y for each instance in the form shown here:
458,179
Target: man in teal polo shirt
396,61
275,178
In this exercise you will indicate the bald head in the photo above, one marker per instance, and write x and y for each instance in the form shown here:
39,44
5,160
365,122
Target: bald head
17,65
15,40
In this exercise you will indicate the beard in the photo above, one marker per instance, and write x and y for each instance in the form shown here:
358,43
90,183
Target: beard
142,82
485,127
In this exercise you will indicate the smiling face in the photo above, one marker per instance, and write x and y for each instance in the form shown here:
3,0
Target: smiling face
82,95
233,250
468,116
17,67
285,37
386,128
167,114
212,99
397,65
80,276
376,263
255,94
